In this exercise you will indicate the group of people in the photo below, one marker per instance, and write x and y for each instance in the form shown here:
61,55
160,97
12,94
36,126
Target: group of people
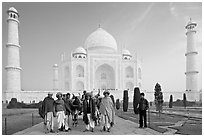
96,110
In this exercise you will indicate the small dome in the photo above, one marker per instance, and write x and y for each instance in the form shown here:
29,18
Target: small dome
191,23
101,40
55,65
12,9
126,52
80,50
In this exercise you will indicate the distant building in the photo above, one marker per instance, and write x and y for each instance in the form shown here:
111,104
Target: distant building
96,65
99,65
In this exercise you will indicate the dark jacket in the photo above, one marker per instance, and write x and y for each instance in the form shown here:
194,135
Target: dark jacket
88,109
48,105
59,105
76,104
143,104
68,106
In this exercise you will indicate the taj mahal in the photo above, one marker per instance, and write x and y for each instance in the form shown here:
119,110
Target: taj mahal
96,65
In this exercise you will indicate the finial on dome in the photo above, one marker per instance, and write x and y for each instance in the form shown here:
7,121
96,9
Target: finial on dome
55,65
99,25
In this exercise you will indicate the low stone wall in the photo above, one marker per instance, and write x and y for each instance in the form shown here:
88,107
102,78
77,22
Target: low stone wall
36,96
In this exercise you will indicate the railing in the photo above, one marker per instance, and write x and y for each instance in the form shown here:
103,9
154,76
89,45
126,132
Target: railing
15,122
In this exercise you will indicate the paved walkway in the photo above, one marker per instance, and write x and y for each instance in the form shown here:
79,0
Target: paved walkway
121,127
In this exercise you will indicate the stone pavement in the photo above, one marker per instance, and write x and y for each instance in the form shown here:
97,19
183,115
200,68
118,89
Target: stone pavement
121,127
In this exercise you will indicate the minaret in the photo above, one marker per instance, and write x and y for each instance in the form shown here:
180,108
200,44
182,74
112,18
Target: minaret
191,63
13,62
55,77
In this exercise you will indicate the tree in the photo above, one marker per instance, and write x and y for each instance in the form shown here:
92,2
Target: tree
125,101
184,100
171,102
112,97
136,99
117,104
158,98
13,103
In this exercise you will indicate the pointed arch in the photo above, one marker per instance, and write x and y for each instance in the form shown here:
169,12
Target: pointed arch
129,72
80,71
130,86
66,72
79,86
105,77
139,73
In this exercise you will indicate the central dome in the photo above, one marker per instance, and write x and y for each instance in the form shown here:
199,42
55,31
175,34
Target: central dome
101,40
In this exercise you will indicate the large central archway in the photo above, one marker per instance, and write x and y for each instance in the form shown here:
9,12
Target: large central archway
104,77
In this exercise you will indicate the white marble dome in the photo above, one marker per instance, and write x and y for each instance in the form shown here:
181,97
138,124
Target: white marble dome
101,40
126,52
80,50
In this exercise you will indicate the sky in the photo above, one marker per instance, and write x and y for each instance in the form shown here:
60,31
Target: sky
153,31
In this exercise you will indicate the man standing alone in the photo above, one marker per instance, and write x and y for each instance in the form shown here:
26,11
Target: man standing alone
48,109
143,106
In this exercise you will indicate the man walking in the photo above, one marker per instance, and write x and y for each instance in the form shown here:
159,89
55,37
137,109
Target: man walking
48,109
107,111
89,112
60,109
143,106
68,111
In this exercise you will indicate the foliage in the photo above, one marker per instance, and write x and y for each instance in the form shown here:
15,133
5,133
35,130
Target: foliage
179,103
125,101
15,104
136,99
117,104
158,97
112,97
171,102
184,100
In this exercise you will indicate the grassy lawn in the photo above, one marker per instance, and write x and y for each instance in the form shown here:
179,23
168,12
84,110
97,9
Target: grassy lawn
189,128
19,119
9,112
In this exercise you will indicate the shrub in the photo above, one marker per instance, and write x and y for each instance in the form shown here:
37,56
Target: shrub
171,102
184,100
117,104
13,103
158,97
125,101
136,100
150,103
112,97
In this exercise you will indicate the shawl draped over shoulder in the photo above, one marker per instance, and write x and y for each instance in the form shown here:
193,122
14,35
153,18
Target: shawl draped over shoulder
106,108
